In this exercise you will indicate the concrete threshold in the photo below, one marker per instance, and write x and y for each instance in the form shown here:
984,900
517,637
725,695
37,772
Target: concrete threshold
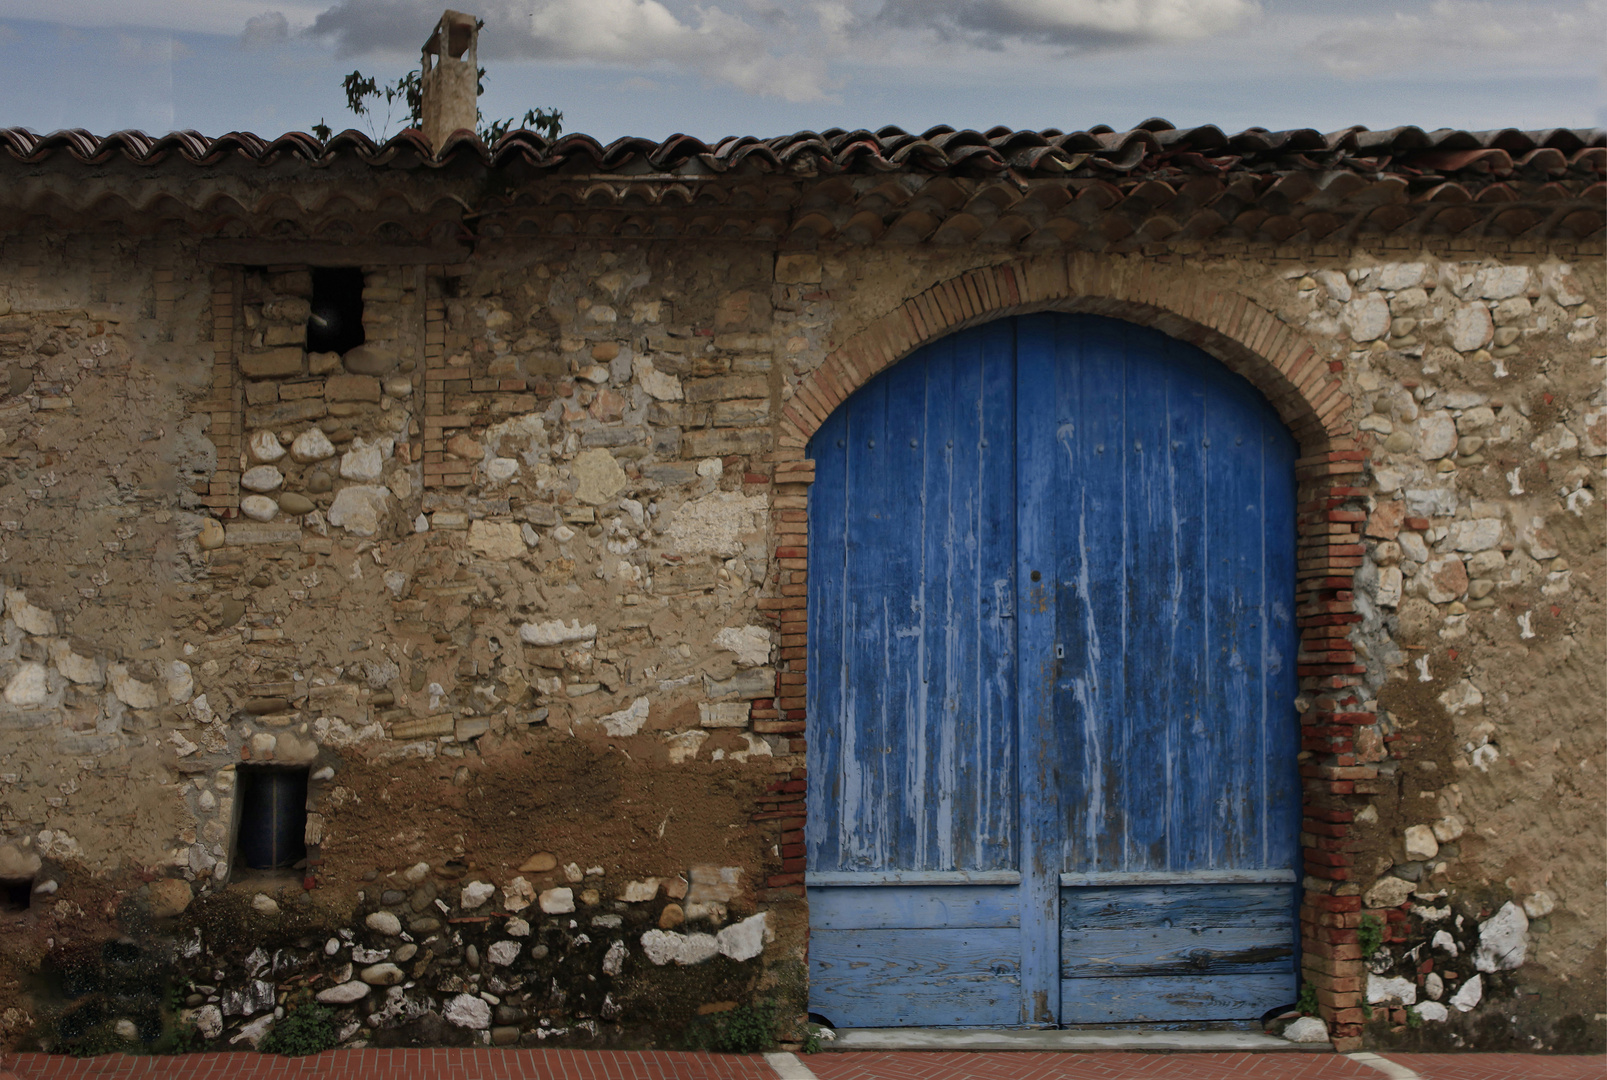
1048,1039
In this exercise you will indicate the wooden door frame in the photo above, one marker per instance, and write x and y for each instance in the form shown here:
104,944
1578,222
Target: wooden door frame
1302,384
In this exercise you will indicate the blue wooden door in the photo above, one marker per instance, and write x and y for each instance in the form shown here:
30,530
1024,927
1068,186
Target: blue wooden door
1051,764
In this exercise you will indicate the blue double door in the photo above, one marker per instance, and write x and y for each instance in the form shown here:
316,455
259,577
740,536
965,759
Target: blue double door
1052,746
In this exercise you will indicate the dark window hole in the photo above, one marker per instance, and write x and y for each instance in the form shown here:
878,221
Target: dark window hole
336,324
273,817
15,894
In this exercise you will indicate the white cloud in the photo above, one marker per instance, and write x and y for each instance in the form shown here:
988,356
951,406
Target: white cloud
269,28
1072,23
760,57
179,16
1448,35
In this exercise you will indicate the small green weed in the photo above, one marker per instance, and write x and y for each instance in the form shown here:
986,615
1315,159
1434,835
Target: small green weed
745,1029
1370,935
1307,1001
307,1028
1413,1020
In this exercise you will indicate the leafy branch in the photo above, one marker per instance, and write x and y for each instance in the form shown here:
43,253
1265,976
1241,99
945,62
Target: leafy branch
363,94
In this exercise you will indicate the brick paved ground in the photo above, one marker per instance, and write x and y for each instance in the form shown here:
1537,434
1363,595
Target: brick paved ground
400,1065
576,1065
1026,1065
1503,1066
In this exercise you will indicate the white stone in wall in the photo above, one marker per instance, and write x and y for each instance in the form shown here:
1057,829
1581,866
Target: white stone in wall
474,894
657,384
1388,892
468,1011
559,901
556,632
1366,318
1500,282
358,508
1432,1011
1477,534
503,953
1470,327
1503,940
259,507
723,714
1559,440
180,683
1539,904
1334,283
716,523
383,922
362,462
310,446
1389,587
345,993
1436,435
499,469
1461,697
1467,998
28,686
497,539
262,478
129,690
627,721
1396,991
1434,986
614,959
1397,276
29,619
684,745
666,946
1443,941
598,475
83,670
1413,547
1449,828
264,447
1420,842
640,892
750,643
757,747
744,940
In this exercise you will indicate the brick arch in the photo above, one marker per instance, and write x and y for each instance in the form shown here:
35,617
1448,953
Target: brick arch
1275,357
1305,389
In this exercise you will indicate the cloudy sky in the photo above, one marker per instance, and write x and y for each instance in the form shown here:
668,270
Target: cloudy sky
764,67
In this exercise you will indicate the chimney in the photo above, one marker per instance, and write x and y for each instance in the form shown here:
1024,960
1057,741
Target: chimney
450,78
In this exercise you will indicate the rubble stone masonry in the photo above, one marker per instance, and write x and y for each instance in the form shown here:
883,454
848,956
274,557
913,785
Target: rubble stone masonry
521,581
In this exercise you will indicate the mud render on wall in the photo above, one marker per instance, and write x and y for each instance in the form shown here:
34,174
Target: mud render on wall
518,585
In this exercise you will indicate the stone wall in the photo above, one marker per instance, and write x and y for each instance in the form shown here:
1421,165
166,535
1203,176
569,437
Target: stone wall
521,583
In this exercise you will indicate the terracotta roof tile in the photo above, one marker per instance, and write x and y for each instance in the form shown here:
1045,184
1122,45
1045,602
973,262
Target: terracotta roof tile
1153,145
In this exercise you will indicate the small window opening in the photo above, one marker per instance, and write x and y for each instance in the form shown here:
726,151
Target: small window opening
273,817
15,894
336,323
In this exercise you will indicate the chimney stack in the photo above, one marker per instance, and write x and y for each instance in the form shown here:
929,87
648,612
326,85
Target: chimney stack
450,78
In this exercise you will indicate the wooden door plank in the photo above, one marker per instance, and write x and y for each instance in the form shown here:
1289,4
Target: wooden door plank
1043,781
1280,777
1193,778
1164,998
1235,544
828,659
1149,761
938,907
1267,947
1194,905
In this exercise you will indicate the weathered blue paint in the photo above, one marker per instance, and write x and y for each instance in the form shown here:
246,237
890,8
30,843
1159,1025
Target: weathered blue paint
1051,629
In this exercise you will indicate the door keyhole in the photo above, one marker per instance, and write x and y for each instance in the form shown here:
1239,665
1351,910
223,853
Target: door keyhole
1037,576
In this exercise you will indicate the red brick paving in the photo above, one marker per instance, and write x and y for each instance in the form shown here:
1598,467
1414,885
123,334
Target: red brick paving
663,1065
1028,1065
1504,1066
399,1065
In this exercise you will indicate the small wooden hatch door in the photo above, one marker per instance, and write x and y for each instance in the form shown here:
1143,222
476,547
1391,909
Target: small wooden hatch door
1051,682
